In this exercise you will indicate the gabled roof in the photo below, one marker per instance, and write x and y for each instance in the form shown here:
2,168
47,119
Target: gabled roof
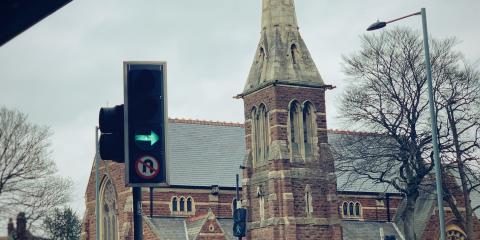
170,228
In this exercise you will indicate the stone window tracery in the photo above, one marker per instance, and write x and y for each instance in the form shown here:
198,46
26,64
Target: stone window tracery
108,227
455,233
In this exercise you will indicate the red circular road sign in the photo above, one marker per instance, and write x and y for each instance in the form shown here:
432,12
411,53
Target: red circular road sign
147,167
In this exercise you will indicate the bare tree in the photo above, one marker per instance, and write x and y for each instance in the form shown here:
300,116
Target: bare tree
459,98
27,175
387,95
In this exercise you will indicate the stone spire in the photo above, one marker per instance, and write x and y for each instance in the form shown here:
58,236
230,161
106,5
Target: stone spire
281,55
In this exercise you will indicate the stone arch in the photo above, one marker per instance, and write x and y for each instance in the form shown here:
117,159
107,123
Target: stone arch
108,212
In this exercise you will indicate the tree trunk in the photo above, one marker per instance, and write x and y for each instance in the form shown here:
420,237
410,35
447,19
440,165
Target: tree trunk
468,223
409,216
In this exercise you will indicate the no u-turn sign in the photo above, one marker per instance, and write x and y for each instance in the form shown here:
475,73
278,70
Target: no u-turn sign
147,167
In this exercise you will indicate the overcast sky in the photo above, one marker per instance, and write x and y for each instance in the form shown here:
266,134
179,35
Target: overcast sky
63,69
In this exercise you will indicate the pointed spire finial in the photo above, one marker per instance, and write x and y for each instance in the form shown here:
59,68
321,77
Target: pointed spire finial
278,12
282,56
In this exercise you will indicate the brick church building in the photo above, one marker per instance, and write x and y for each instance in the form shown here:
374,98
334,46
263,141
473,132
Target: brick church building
289,184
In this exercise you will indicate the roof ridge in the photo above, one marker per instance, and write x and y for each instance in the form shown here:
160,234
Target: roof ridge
237,124
350,132
205,122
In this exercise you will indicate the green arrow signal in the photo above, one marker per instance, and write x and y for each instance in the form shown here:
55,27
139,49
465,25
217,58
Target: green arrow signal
152,138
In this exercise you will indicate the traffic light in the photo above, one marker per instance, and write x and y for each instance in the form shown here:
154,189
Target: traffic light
239,222
145,119
112,137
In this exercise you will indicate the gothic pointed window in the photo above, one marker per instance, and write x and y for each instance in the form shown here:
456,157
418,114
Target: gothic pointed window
182,204
263,133
345,209
350,209
358,210
253,135
308,200
295,133
261,203
189,204
293,52
309,129
108,201
174,204
260,134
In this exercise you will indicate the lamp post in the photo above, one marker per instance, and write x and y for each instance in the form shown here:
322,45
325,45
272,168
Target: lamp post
433,117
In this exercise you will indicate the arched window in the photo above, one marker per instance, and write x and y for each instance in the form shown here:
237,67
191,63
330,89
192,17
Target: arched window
174,204
263,133
308,200
254,135
293,50
182,204
189,204
260,134
345,209
358,210
261,202
309,129
295,123
350,209
108,201
455,233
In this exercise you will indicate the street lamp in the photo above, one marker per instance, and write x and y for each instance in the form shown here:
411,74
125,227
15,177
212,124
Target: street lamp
433,117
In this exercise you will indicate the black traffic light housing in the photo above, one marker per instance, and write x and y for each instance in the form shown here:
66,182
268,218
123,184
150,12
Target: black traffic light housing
145,124
112,135
240,222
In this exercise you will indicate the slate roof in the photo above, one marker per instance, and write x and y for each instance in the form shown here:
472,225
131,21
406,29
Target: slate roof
365,230
177,228
205,153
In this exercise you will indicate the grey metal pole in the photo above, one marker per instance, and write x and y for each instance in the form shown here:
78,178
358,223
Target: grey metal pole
137,213
237,196
97,183
436,154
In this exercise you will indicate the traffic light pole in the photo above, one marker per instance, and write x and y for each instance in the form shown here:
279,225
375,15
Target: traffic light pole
137,213
97,183
237,197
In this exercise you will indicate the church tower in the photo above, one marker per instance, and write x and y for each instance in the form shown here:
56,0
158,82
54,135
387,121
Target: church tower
289,185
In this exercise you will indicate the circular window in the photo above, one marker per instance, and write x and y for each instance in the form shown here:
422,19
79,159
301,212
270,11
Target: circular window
455,235
211,228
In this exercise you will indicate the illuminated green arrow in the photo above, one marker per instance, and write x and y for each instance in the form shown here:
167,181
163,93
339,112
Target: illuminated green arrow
152,138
